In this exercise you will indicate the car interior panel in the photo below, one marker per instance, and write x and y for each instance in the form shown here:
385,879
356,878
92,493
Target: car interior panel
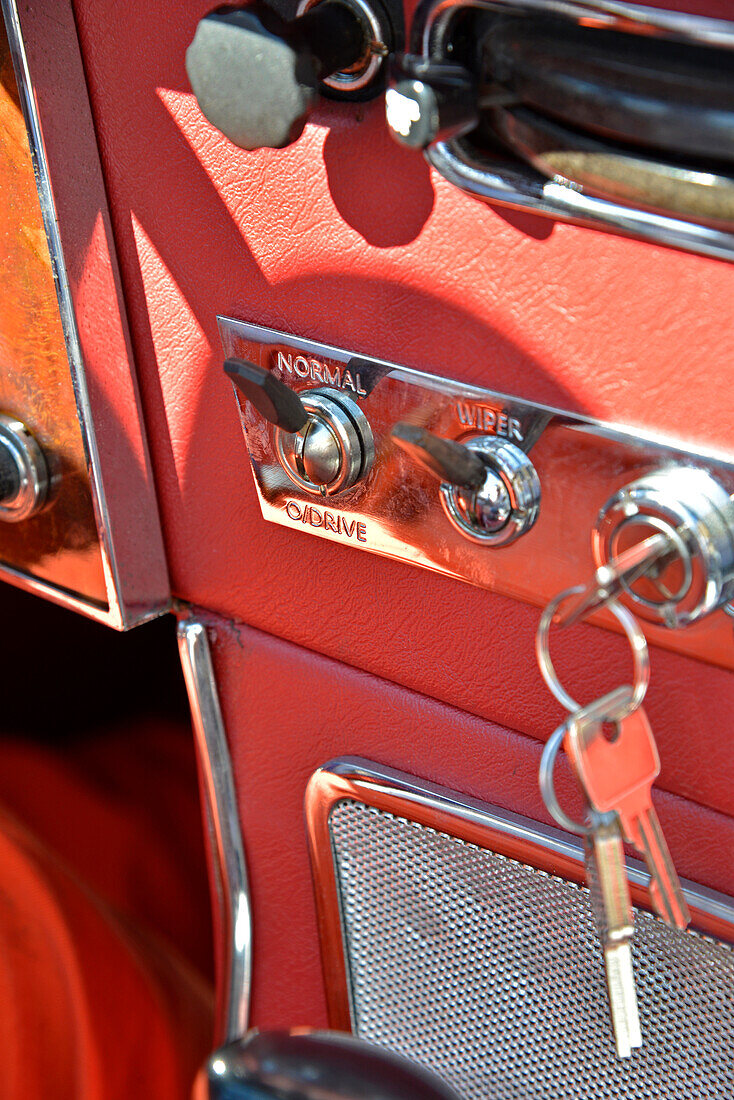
367,539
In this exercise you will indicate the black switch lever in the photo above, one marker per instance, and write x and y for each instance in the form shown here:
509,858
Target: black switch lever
277,402
448,461
256,76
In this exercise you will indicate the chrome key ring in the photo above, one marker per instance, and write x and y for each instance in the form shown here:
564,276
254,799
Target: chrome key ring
548,787
635,637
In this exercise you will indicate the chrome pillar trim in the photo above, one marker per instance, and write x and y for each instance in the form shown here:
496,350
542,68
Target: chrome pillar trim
225,834
135,569
540,846
518,186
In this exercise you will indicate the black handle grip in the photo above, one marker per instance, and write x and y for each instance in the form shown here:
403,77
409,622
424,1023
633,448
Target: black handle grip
448,461
267,1065
256,76
277,402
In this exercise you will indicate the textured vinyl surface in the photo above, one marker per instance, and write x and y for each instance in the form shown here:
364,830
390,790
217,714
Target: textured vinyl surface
489,971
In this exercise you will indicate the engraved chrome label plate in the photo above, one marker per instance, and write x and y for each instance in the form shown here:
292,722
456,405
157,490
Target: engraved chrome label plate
396,510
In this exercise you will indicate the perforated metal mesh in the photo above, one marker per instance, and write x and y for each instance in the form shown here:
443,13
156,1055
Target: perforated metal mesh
489,971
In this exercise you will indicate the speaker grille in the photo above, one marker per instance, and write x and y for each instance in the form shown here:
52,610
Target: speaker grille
489,971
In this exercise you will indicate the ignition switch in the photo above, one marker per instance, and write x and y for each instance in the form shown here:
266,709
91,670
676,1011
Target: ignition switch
694,573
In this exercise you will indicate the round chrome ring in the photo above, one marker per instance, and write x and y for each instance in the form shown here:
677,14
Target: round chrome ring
354,81
635,637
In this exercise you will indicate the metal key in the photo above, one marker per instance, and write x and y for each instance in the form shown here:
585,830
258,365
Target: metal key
616,577
618,775
606,875
610,899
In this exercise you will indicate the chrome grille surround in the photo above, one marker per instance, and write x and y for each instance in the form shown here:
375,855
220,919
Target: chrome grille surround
487,969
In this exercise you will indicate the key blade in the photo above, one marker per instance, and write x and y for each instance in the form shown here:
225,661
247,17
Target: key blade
622,998
665,890
612,907
606,876
614,578
612,888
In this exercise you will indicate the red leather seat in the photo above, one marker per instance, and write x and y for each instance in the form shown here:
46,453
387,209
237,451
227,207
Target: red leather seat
95,1002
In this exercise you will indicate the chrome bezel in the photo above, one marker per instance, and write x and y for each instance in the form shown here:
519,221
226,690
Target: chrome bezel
32,471
517,474
346,80
350,430
695,508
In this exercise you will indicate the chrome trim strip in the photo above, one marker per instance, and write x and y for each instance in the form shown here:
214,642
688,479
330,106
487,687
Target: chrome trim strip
225,834
520,187
431,16
120,613
463,808
529,191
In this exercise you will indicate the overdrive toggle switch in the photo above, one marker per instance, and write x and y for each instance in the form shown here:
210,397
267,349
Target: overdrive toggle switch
489,488
256,77
323,439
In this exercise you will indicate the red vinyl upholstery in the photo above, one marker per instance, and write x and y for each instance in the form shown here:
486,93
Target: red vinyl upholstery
347,238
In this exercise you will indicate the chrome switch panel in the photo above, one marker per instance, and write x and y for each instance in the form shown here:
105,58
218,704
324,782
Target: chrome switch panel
398,507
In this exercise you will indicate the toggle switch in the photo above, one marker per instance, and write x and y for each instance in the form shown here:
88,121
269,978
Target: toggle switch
323,439
489,488
256,76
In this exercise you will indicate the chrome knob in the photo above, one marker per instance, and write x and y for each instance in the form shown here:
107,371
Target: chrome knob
24,477
490,489
429,101
323,439
694,575
304,1065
